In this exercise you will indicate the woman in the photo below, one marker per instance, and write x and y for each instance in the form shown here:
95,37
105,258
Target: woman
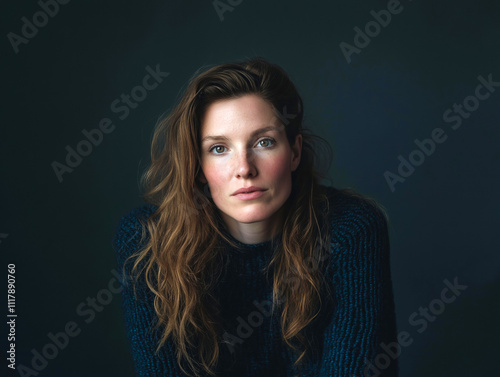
242,263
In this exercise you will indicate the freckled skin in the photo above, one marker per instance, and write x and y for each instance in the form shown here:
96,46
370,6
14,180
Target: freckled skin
242,159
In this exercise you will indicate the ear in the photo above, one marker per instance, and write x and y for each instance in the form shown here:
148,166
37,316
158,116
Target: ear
296,152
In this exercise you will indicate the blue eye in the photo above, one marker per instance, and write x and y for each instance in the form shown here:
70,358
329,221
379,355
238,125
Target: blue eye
266,143
218,149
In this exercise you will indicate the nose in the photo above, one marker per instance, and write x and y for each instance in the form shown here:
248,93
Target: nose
245,165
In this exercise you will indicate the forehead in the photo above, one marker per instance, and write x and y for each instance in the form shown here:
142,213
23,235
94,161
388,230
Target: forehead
246,113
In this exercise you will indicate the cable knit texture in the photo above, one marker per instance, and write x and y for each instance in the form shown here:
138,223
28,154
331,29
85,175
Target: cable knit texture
353,335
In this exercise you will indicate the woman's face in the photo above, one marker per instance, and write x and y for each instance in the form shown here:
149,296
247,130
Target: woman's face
244,147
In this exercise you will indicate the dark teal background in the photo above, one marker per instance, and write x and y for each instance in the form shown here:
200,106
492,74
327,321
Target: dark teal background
443,218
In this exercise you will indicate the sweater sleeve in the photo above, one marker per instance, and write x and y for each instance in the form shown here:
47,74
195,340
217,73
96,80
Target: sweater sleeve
361,338
138,312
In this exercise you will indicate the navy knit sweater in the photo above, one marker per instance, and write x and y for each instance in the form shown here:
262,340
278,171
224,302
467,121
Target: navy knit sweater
353,335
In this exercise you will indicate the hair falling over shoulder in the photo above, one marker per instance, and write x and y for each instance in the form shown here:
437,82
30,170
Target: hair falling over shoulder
181,261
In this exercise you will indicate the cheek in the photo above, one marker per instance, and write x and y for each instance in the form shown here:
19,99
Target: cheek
216,175
279,167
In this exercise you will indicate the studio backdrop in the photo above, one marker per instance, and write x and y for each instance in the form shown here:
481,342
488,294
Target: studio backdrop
406,92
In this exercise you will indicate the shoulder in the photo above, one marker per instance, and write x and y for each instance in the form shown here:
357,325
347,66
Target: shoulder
352,213
130,233
358,234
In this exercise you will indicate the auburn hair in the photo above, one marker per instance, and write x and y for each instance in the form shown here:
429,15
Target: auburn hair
181,259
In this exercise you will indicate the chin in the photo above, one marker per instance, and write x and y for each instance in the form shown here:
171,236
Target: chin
251,215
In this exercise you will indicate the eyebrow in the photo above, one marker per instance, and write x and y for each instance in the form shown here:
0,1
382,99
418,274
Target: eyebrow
253,134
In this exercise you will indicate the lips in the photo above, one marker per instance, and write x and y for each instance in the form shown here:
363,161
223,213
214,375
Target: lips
248,190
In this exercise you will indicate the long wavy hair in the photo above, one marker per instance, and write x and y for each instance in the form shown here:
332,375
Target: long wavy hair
181,260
